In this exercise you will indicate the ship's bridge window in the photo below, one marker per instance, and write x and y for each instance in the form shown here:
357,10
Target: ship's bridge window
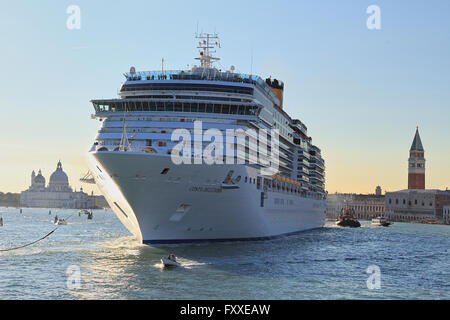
152,105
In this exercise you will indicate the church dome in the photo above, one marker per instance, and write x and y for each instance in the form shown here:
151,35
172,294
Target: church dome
59,177
39,178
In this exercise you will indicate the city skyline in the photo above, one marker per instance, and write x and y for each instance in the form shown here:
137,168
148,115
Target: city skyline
361,92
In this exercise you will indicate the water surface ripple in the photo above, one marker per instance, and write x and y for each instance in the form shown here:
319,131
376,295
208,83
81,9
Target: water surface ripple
328,263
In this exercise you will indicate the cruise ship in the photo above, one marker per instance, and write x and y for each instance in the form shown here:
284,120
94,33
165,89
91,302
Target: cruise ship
133,159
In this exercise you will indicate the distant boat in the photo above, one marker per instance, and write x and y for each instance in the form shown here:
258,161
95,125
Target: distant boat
59,222
90,215
347,219
1,222
381,222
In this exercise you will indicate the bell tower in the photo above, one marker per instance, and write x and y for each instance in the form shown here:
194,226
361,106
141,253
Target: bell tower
416,161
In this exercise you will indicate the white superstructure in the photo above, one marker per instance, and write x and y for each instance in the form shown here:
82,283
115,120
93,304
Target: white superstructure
163,202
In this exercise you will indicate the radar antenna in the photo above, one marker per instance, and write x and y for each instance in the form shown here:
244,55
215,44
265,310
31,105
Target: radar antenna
207,42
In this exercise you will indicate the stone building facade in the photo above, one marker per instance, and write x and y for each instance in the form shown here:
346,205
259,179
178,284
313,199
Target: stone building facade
446,214
366,206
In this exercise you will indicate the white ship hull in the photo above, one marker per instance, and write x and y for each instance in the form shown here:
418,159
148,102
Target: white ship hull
190,204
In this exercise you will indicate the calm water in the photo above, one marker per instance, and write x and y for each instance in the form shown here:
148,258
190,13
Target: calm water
329,263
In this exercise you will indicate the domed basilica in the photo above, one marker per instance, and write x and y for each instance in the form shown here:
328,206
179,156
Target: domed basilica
58,193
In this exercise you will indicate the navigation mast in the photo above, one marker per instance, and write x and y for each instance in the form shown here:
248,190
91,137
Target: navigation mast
207,42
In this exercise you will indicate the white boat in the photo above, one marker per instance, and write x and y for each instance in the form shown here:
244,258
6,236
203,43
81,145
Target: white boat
170,263
381,222
160,201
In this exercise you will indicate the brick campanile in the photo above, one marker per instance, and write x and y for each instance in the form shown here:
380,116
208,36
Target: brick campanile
416,161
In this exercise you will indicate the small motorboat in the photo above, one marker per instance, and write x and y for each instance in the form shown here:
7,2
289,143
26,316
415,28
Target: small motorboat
90,215
347,219
381,222
170,261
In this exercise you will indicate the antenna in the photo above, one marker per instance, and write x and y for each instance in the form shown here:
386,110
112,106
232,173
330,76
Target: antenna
162,65
207,42
251,63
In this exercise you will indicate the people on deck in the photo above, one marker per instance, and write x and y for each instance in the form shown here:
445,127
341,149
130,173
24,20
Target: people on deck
172,257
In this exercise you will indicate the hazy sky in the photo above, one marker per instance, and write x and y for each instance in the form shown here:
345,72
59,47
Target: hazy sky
360,92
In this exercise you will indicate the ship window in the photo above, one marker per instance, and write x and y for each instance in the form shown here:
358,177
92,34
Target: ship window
178,106
169,106
165,171
194,107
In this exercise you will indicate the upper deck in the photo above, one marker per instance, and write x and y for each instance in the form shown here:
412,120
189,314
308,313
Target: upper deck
197,76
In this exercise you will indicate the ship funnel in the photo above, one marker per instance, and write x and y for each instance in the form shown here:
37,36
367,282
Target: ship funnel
278,88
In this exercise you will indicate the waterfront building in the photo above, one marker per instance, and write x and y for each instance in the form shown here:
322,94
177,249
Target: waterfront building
365,206
98,202
57,194
416,203
446,214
